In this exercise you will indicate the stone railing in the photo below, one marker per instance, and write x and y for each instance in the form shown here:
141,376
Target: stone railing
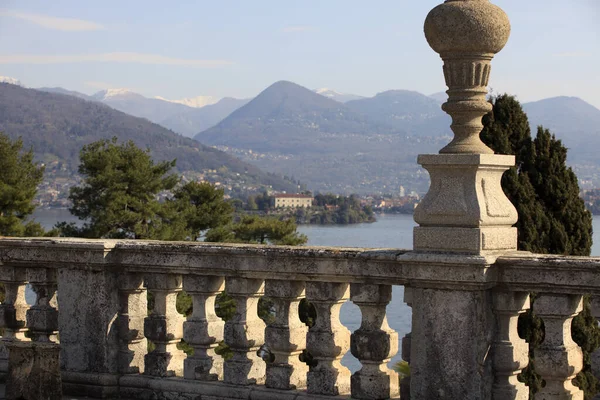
464,341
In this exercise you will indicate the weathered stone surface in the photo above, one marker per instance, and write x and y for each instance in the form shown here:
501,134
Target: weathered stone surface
244,333
373,344
12,311
133,308
203,330
89,305
558,359
465,210
452,333
328,340
511,353
34,371
285,338
164,327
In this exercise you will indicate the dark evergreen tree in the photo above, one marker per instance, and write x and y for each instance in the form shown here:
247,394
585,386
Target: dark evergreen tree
203,207
260,230
552,217
19,179
118,198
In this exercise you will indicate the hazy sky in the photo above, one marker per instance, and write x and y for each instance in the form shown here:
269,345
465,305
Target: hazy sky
238,47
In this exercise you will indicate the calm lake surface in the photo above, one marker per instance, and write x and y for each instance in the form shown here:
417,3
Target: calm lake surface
390,231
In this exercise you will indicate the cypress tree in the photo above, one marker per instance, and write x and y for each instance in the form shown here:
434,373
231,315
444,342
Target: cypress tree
552,217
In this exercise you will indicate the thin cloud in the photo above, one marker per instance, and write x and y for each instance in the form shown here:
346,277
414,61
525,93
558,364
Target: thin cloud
59,24
573,54
137,58
299,28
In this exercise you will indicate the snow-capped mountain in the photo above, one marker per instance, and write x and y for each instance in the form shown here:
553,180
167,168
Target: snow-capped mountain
12,81
194,102
337,96
109,94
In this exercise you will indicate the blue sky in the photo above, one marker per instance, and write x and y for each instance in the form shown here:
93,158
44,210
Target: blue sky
237,47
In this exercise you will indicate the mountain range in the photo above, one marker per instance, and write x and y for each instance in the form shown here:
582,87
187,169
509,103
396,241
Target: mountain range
57,125
371,144
342,145
330,145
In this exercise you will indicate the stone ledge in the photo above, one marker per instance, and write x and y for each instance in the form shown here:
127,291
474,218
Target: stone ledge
143,387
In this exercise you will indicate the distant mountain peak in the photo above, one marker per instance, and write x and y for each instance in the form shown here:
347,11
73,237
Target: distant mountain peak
337,96
327,92
12,81
194,102
112,93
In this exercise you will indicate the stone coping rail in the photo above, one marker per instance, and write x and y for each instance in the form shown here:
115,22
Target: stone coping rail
91,300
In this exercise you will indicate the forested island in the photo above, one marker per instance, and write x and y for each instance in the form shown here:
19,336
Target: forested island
326,209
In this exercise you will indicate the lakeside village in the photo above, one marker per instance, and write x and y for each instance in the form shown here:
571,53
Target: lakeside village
306,207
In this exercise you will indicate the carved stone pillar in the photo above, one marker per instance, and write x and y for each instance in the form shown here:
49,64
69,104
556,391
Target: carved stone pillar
511,353
245,333
465,220
373,344
465,210
285,338
328,340
164,327
203,330
558,359
12,311
133,346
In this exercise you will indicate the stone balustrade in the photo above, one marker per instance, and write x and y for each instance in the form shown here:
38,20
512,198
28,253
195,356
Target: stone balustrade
94,293
465,282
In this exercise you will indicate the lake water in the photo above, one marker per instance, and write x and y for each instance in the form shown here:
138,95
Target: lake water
390,231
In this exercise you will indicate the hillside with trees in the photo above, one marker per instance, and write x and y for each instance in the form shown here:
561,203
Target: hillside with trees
55,126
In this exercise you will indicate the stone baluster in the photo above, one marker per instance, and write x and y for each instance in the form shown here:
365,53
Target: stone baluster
203,330
328,340
12,311
34,366
133,308
373,344
285,338
164,327
511,353
42,317
558,359
406,346
244,333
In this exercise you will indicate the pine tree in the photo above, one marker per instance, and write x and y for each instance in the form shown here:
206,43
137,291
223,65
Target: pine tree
19,179
552,217
260,230
203,207
118,198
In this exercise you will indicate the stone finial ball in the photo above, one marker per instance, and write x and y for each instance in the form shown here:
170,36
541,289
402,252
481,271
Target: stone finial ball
467,26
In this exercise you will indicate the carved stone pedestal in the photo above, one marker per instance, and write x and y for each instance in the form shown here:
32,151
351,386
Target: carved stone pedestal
465,210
